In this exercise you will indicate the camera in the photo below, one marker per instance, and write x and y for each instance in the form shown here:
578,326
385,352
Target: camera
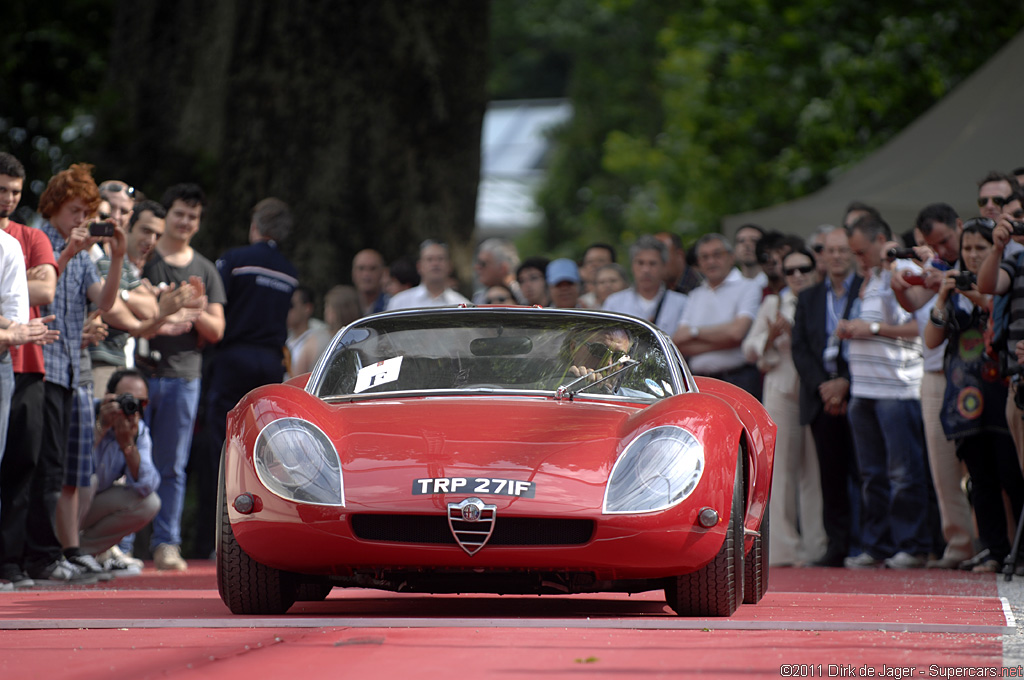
964,280
128,403
901,254
105,228
1016,228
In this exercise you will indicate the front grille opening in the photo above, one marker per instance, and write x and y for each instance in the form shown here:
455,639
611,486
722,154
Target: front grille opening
507,530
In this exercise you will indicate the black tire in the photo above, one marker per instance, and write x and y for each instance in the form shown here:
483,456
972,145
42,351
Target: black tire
755,566
312,591
245,585
716,589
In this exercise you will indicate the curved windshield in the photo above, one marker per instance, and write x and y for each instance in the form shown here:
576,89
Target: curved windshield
476,350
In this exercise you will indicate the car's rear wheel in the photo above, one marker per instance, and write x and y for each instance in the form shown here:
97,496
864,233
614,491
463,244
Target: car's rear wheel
755,566
245,585
716,589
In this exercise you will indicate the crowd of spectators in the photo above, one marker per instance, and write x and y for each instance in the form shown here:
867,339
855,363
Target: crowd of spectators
890,364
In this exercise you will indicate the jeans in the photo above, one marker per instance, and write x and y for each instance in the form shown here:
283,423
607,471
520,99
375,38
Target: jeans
171,416
889,444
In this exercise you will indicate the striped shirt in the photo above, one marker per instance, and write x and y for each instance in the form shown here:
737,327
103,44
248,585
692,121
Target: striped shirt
880,367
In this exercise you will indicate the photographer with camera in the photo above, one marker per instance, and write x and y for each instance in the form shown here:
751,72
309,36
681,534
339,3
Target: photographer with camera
937,230
982,440
1001,275
110,509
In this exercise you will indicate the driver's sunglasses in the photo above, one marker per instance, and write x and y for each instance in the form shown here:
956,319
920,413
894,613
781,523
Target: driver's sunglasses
998,200
601,351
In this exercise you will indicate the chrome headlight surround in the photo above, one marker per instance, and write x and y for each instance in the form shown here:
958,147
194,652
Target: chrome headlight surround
295,460
656,471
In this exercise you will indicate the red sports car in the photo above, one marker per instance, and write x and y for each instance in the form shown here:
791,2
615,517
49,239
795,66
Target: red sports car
497,450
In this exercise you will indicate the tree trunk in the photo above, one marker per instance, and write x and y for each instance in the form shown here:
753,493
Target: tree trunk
365,117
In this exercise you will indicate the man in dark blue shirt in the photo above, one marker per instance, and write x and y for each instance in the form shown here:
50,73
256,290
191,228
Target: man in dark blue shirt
259,282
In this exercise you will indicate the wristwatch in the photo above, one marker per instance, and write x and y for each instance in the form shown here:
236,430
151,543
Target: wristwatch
875,327
124,294
694,331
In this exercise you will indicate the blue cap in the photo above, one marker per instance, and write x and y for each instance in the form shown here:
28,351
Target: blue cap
562,269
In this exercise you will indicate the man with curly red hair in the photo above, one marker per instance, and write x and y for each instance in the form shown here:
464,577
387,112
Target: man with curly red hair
69,201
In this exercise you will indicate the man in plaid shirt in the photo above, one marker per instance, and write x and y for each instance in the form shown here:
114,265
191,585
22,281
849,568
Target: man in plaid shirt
71,198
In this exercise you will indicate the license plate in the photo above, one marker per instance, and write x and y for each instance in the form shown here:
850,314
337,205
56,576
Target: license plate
518,488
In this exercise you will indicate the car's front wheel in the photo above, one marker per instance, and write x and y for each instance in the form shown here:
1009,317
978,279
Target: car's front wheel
245,585
716,589
755,566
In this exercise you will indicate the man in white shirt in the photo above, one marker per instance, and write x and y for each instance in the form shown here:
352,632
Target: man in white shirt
717,317
648,298
433,291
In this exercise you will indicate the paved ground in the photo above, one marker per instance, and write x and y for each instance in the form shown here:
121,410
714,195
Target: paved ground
812,623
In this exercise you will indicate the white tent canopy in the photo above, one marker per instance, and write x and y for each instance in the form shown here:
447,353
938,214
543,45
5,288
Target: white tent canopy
939,157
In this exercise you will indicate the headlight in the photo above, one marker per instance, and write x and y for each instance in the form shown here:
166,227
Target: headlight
297,461
657,470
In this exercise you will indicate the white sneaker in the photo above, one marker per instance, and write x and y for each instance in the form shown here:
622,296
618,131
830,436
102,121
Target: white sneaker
89,565
115,554
167,557
904,560
62,572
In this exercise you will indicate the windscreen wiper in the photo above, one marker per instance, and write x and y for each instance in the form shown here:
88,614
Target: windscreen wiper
566,390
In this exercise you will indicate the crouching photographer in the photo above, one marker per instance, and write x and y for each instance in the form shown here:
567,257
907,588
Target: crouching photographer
122,498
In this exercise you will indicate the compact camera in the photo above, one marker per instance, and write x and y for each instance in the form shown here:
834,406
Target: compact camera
964,280
105,228
128,403
901,254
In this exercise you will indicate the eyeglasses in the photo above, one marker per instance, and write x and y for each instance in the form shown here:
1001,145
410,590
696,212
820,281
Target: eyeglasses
803,269
497,300
117,188
600,351
998,200
1017,213
818,247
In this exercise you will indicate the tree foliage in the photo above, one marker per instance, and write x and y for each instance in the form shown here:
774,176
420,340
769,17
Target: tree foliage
690,111
53,61
363,115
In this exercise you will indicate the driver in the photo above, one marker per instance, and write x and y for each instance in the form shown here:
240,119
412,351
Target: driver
596,351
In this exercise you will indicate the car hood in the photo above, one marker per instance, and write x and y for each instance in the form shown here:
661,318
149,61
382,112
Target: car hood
566,448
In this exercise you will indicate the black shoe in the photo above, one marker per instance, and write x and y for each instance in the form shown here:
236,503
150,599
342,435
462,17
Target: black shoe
979,559
17,578
830,559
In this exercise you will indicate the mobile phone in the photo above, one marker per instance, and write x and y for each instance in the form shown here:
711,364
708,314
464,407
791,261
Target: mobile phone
105,228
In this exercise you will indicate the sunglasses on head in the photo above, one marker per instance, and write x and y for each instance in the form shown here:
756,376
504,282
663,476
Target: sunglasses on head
986,222
998,200
117,188
803,269
600,351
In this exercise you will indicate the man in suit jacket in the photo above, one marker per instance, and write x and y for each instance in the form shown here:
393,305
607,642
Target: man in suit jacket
825,388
